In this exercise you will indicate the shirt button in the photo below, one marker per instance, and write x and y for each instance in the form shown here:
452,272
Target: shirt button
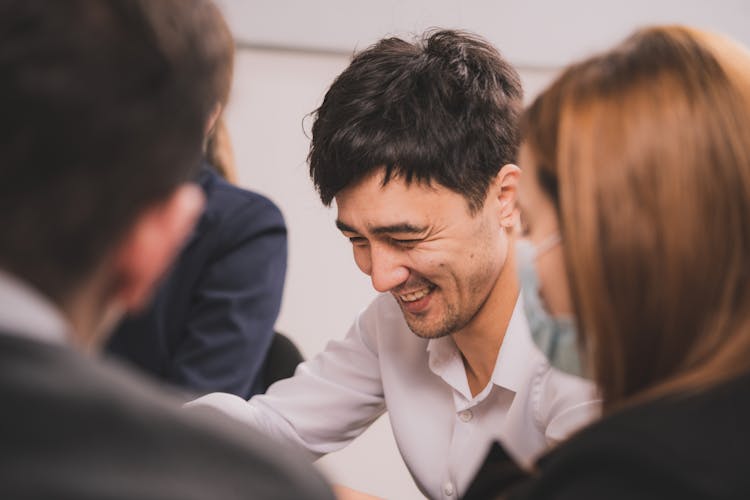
465,415
448,489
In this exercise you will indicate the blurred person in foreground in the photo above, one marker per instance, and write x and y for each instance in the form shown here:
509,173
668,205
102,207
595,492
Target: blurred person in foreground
636,202
104,107
416,142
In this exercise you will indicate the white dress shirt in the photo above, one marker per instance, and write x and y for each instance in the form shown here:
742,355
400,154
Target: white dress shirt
442,431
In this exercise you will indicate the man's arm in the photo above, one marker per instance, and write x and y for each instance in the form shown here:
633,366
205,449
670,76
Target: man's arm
567,404
344,493
330,400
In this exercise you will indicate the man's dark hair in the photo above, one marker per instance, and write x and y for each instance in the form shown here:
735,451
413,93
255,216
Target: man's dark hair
103,105
443,109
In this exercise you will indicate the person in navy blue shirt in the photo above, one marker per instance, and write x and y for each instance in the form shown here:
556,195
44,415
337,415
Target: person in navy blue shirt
211,322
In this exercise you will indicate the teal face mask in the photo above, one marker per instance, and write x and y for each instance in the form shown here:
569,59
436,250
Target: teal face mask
556,337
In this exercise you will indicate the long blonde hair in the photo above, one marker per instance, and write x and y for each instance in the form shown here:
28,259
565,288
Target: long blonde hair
646,152
218,148
219,152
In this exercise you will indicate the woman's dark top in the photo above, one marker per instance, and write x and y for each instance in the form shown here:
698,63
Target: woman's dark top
687,447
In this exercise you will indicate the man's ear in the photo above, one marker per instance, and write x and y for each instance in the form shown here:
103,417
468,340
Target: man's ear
505,188
155,237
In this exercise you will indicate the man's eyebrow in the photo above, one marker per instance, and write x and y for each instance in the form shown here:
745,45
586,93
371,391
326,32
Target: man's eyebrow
345,227
401,228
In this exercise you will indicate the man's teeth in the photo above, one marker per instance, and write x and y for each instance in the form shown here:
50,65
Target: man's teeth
414,296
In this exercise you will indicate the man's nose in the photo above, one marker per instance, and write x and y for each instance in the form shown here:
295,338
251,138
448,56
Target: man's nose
387,269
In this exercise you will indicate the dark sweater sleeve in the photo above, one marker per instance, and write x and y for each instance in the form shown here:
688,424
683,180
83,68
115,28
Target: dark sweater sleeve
594,471
689,446
497,474
234,306
612,462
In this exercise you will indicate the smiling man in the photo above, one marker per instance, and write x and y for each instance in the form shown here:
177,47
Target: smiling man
416,144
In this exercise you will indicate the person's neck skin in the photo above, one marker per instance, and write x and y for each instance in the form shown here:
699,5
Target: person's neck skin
480,341
91,313
126,277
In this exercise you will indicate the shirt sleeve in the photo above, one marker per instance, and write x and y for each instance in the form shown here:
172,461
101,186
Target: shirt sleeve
330,400
566,404
229,326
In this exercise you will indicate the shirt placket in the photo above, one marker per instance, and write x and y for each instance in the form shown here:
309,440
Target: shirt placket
449,367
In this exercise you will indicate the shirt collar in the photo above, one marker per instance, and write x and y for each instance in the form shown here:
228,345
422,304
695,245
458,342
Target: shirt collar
511,366
442,350
516,351
26,312
444,360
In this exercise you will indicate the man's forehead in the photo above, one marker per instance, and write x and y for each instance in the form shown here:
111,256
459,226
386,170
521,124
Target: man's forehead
377,185
373,206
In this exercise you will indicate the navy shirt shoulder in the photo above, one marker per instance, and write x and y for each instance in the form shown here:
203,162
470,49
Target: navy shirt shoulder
211,321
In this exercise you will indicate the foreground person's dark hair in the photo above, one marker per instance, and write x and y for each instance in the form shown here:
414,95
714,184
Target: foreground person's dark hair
103,107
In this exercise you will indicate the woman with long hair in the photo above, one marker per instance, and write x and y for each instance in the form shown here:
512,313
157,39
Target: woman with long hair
636,268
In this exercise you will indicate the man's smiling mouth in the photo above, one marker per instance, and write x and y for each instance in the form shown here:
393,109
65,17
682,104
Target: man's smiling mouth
417,294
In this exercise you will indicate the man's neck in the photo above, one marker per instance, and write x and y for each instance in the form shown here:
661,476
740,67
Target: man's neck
480,341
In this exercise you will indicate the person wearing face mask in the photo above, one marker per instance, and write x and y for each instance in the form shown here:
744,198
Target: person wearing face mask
554,334
636,202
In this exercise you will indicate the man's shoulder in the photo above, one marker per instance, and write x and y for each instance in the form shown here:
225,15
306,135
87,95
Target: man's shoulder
94,430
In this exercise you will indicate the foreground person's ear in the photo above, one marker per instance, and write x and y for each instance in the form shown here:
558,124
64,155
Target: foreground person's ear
156,236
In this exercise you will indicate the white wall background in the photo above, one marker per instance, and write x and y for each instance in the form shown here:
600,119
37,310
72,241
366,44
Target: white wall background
289,51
